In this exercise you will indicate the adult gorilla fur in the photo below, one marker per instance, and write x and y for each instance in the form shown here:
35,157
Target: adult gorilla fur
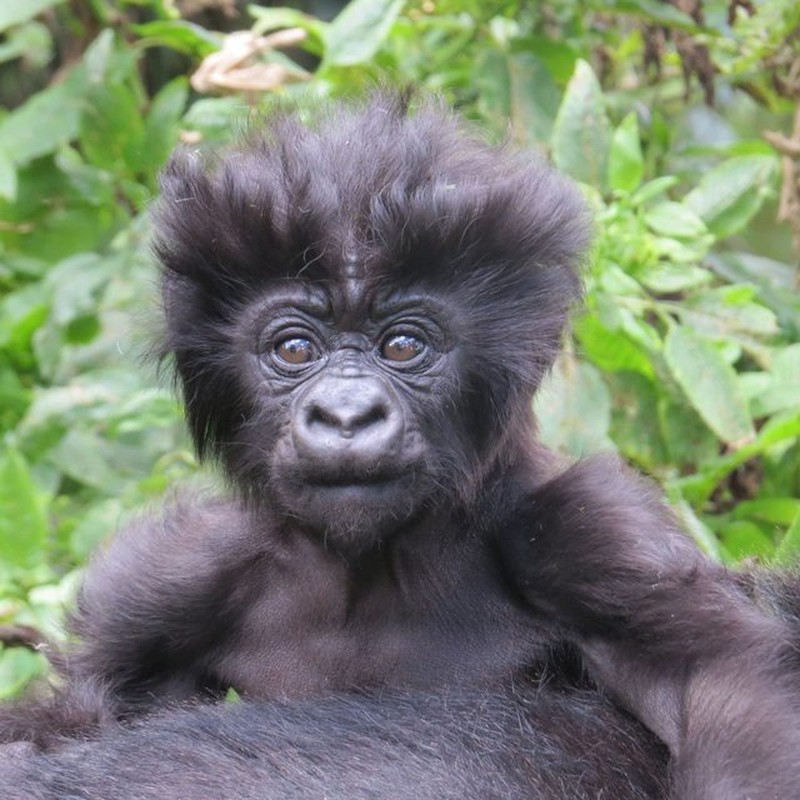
411,597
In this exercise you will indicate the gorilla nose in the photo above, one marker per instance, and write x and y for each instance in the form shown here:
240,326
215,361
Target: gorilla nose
353,416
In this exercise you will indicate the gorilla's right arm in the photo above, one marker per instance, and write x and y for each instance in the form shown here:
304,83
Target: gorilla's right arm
397,746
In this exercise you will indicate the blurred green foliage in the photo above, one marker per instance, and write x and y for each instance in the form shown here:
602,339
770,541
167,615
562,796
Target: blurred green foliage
687,359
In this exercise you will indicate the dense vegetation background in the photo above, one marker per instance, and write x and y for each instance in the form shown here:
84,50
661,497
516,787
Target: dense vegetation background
680,119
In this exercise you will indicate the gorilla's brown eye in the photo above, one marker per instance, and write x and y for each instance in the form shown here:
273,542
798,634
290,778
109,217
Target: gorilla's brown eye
401,348
296,350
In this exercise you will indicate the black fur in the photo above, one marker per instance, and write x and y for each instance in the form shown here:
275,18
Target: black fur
443,746
359,312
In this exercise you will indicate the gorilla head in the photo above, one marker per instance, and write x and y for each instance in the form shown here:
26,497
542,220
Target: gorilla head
360,312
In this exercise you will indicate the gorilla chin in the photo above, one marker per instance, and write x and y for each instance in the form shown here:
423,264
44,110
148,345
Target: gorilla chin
354,516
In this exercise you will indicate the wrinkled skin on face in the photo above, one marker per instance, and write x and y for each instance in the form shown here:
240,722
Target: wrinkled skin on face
354,391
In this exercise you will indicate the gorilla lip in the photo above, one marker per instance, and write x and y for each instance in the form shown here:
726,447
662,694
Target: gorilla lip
373,481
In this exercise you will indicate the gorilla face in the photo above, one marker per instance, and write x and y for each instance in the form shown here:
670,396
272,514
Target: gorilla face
352,402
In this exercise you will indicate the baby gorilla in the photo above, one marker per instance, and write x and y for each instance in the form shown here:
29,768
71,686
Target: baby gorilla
412,598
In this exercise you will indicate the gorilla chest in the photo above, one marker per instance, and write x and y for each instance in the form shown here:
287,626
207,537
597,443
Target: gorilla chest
306,648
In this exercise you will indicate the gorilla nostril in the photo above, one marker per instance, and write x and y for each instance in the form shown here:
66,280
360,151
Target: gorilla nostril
346,406
318,415
371,416
347,420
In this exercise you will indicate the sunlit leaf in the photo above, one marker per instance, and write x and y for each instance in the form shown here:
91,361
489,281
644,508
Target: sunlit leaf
625,161
709,383
359,30
666,278
18,666
780,388
574,408
674,219
610,349
40,125
774,510
653,189
15,12
23,523
788,551
8,177
730,194
534,98
179,35
582,132
743,538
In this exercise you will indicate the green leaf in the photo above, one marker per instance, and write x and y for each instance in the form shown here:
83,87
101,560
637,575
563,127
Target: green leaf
45,122
611,350
97,524
179,35
625,161
215,117
493,83
709,383
582,132
23,523
18,666
14,397
636,428
359,30
781,389
787,554
729,195
21,314
661,13
558,55
64,219
84,456
518,86
534,98
772,510
674,219
112,129
77,282
687,438
727,311
161,126
653,189
8,177
743,538
271,19
15,12
574,409
666,278
778,430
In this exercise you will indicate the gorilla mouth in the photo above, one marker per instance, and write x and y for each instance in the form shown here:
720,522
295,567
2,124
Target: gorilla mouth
354,476
386,492
364,491
353,511
353,481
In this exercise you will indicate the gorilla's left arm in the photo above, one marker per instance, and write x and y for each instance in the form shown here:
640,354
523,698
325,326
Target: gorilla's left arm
665,630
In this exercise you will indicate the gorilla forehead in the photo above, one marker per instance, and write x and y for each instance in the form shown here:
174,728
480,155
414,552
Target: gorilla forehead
352,303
